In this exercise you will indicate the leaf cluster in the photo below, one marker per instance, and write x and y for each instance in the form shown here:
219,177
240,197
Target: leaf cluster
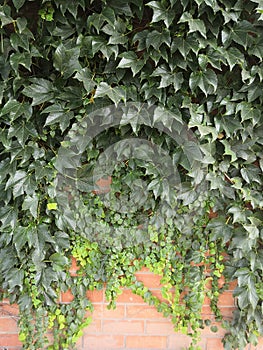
185,63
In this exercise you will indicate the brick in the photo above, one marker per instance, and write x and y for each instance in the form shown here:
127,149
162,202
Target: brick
149,279
145,342
94,327
226,299
9,340
207,312
8,324
6,309
158,294
227,311
214,344
74,267
142,311
103,185
66,297
232,285
144,270
96,313
95,296
259,346
103,342
119,312
123,327
182,342
206,332
128,297
159,327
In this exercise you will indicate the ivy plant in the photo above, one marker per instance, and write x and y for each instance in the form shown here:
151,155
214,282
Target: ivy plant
164,98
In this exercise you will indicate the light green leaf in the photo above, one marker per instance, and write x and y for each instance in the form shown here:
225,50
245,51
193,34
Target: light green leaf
52,206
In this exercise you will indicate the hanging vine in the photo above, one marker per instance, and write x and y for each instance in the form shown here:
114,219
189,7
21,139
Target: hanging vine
164,98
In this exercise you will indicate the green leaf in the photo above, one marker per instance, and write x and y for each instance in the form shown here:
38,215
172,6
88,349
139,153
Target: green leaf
239,214
23,58
18,3
168,78
228,150
8,216
247,111
233,57
52,206
252,230
20,237
11,107
185,45
58,113
161,13
20,40
15,278
130,60
156,39
31,203
5,17
205,80
192,151
66,60
242,33
195,25
22,131
116,94
85,76
59,260
40,90
100,44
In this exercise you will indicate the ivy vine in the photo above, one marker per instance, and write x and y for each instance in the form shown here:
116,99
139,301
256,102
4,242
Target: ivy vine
165,99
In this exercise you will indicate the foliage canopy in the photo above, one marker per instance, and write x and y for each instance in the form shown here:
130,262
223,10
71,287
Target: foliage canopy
194,63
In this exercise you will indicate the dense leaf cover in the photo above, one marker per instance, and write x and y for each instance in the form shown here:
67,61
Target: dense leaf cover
156,68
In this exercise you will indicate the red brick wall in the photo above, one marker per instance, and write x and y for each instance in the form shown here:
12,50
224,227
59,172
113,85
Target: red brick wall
132,325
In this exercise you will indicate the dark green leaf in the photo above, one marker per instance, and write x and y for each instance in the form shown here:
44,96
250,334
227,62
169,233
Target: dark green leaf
18,3
66,60
40,90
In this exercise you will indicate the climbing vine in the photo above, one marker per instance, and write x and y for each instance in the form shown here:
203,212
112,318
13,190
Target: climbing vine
162,99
